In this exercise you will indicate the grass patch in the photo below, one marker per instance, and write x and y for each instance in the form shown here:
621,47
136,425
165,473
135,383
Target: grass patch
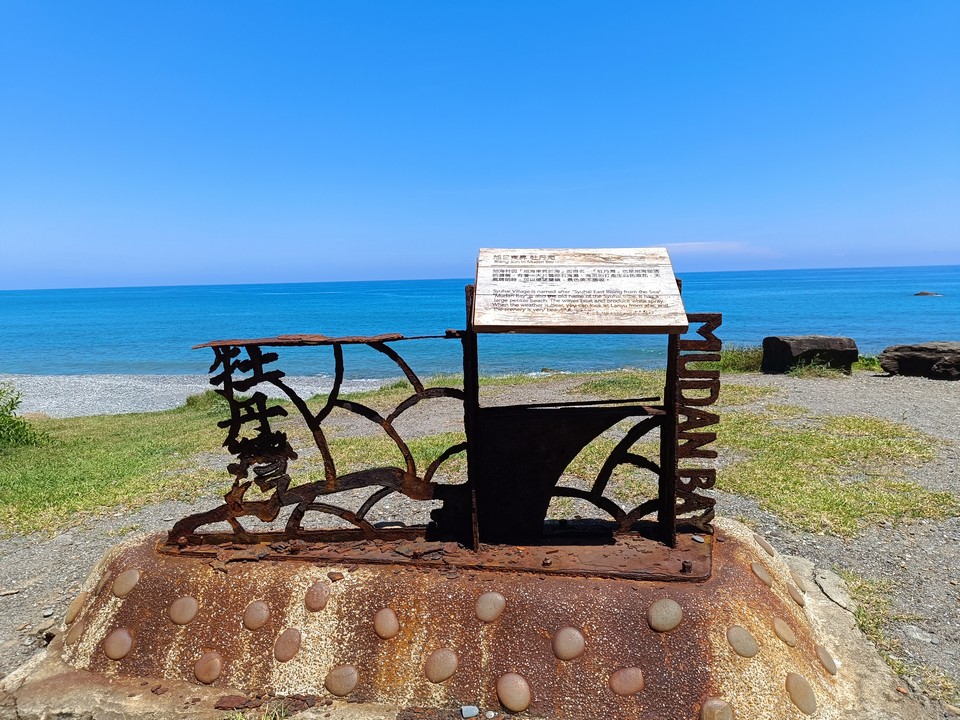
741,359
831,474
867,363
93,463
15,431
644,383
623,384
874,615
814,369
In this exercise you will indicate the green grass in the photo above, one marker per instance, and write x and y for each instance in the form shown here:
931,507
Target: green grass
815,369
644,383
867,363
94,463
874,615
741,359
830,474
15,431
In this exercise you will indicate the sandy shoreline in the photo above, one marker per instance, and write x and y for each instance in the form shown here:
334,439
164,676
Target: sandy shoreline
76,395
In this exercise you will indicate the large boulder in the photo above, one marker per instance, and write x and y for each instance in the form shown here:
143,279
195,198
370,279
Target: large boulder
936,360
783,352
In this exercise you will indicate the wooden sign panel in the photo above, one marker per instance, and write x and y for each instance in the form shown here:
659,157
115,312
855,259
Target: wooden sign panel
620,290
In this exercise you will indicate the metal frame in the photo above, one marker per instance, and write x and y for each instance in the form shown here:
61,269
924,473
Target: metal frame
516,455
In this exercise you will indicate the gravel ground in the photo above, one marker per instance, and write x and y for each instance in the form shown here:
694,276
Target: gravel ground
39,575
74,395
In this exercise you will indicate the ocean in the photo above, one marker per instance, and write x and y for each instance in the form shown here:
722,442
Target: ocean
150,330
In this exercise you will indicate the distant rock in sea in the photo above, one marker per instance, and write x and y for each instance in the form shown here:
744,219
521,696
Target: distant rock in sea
927,293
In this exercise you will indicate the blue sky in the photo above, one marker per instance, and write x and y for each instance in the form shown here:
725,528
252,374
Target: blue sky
146,143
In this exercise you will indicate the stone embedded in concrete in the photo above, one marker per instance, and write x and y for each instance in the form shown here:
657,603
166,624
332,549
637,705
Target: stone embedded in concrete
784,632
386,624
801,694
341,680
664,615
75,632
441,665
125,582
761,572
101,584
256,615
762,542
513,692
784,352
826,659
614,625
183,610
934,360
287,645
798,581
742,642
317,596
208,667
568,643
489,606
75,607
117,644
715,709
796,595
627,681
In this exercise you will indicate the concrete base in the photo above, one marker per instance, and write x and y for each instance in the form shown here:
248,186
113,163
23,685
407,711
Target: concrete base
706,657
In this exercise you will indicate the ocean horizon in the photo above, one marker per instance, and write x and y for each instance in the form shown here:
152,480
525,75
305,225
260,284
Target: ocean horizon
151,330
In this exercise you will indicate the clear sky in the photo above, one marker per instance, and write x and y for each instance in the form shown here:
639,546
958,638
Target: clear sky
190,142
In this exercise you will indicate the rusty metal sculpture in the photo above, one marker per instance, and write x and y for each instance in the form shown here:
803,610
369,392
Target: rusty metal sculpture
516,458
267,453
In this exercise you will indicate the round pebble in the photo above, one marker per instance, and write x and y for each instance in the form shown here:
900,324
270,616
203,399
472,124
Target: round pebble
762,542
101,584
441,665
317,596
256,615
784,632
208,667
715,709
761,572
117,644
664,615
183,610
341,680
287,645
125,582
801,693
742,641
75,632
513,692
798,580
826,659
627,681
568,643
385,624
796,595
75,607
489,606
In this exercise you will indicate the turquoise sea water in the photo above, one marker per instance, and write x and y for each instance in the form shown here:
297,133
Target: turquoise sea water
151,330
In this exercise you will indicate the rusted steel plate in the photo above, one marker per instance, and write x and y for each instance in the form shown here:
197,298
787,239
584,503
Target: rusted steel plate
620,556
412,636
299,339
